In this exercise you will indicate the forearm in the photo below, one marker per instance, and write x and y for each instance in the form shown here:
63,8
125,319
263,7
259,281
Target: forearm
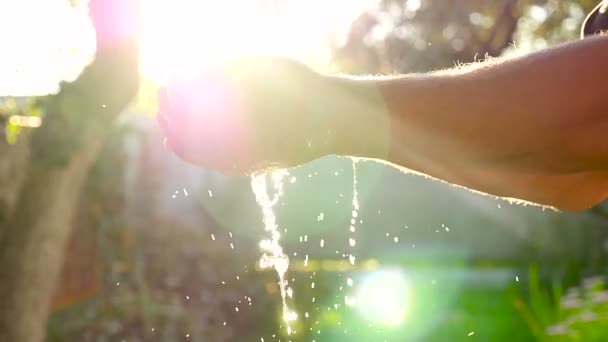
491,113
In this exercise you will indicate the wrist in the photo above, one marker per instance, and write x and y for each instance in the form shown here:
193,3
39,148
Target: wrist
357,117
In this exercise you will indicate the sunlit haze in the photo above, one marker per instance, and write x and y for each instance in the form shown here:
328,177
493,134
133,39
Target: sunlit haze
44,42
182,36
178,36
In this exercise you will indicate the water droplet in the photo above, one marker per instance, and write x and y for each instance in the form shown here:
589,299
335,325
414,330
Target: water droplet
351,259
210,193
290,316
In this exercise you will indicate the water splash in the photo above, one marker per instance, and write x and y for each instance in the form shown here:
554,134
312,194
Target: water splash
273,254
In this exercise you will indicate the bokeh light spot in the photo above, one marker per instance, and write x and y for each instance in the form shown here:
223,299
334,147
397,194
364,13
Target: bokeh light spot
384,297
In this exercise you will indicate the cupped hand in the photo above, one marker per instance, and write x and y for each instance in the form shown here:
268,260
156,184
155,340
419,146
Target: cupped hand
246,115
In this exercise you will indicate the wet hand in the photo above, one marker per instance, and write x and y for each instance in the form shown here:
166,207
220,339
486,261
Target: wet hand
247,115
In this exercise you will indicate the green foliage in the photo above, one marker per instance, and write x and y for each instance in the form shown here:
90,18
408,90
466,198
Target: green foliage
541,307
583,313
10,107
439,34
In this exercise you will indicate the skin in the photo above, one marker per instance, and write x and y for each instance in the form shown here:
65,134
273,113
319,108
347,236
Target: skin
533,128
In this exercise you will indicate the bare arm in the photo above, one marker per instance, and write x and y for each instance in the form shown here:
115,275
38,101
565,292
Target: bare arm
533,127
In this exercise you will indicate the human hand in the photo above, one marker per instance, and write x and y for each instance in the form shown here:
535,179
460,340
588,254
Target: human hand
248,115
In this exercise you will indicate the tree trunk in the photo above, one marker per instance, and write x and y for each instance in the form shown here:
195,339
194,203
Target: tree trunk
32,248
12,170
61,152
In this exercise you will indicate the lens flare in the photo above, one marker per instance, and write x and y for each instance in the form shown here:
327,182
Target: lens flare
384,297
181,37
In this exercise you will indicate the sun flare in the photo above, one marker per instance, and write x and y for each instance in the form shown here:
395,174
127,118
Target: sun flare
179,37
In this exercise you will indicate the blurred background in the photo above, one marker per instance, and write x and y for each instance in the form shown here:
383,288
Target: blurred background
128,243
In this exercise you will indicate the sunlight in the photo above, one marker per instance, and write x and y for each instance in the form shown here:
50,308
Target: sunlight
384,297
180,37
45,42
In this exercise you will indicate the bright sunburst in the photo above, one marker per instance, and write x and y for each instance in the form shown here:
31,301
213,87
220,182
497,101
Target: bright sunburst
178,36
181,36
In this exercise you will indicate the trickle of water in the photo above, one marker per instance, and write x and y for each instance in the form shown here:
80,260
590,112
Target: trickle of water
273,254
352,242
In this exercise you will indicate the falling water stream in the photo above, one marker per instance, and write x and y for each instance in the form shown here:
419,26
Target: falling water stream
352,242
273,255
